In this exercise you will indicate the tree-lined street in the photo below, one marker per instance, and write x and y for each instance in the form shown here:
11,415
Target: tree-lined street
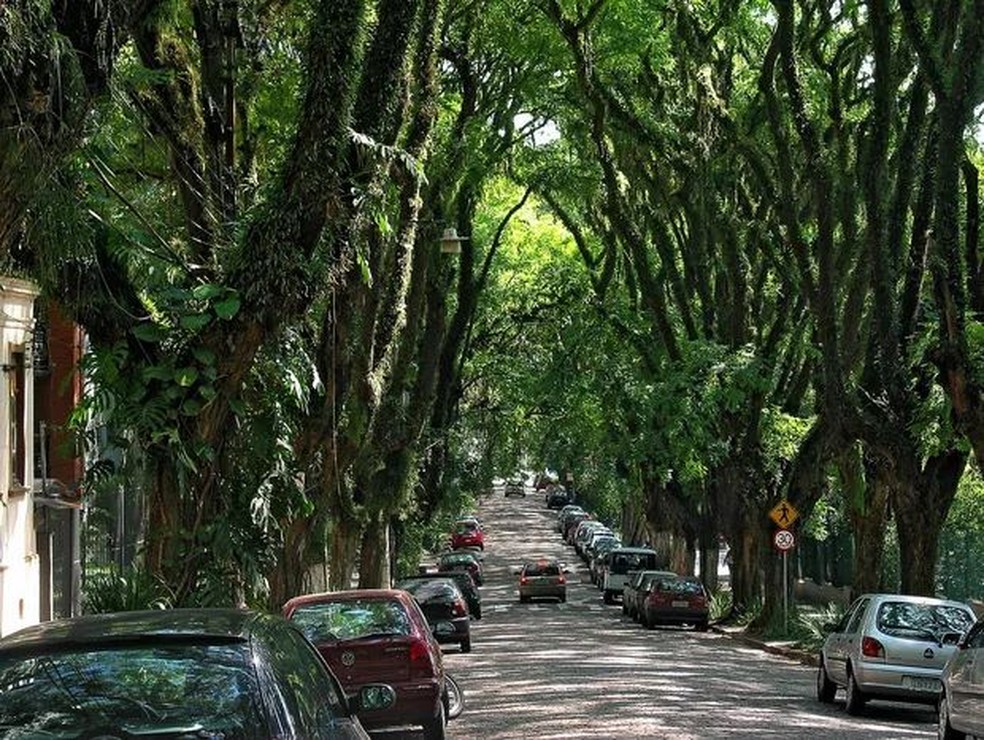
580,669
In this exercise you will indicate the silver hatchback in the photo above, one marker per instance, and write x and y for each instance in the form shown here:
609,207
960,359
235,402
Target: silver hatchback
893,647
962,700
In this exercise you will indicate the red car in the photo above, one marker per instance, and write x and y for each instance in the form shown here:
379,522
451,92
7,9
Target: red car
679,600
379,636
467,533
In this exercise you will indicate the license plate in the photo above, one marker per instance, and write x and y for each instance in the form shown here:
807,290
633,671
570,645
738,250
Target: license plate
918,683
681,604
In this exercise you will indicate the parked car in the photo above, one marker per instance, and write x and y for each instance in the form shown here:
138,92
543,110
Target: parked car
558,498
445,607
962,697
596,538
467,533
598,558
573,524
542,579
586,531
461,560
568,515
618,563
375,634
637,588
183,672
466,584
889,646
676,600
515,487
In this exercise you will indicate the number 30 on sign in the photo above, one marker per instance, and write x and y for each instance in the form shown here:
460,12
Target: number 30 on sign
784,540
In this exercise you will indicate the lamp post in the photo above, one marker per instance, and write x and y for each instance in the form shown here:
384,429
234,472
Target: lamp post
451,242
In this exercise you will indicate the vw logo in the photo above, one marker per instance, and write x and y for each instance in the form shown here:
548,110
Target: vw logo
348,659
929,653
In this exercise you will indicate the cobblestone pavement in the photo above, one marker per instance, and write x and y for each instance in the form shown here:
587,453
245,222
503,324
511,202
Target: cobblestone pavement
580,669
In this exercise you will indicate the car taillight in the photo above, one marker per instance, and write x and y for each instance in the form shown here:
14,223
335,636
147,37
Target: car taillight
561,579
523,581
460,608
421,662
871,648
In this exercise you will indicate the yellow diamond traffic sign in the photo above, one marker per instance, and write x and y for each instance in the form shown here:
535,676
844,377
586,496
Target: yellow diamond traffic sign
784,514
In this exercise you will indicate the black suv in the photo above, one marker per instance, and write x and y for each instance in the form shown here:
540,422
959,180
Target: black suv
559,498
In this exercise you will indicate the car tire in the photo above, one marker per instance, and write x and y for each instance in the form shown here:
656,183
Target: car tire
625,609
945,730
563,599
478,614
466,645
608,598
701,626
825,687
855,697
434,729
649,623
524,599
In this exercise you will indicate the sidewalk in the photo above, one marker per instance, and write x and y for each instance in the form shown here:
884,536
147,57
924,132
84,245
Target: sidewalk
774,647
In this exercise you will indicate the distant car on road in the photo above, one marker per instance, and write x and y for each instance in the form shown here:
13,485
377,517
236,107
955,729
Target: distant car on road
466,584
178,673
676,600
893,647
445,607
542,579
637,588
515,487
369,634
962,697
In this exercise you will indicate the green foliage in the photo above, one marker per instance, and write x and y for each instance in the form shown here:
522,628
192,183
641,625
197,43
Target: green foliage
130,589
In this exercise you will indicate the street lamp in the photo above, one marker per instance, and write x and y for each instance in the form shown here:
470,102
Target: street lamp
451,242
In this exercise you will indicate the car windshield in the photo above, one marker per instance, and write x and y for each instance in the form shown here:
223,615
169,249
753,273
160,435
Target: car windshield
623,562
542,569
351,619
186,690
922,621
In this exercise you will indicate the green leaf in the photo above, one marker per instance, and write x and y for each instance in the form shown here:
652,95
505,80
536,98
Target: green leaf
204,355
191,407
208,291
186,376
149,332
195,322
157,372
227,308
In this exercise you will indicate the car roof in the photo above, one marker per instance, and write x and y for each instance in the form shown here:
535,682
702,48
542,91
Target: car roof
96,629
351,595
633,550
915,600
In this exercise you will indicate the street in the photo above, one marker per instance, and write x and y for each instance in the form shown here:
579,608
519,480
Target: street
547,670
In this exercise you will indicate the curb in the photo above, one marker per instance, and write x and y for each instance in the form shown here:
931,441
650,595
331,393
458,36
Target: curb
800,656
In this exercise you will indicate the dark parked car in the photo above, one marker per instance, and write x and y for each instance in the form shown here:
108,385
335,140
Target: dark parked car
464,581
178,673
558,498
680,600
461,560
445,607
368,634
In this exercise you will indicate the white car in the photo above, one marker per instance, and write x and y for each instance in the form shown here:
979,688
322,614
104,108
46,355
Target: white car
962,697
619,563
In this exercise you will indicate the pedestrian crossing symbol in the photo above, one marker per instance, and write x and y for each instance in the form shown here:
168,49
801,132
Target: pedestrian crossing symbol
784,514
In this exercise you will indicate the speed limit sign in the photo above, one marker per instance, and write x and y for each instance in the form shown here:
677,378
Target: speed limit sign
784,540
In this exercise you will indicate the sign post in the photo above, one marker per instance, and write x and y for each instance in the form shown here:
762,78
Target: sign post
784,541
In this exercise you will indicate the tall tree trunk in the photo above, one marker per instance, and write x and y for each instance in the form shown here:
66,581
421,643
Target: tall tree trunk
345,539
287,578
374,555
868,529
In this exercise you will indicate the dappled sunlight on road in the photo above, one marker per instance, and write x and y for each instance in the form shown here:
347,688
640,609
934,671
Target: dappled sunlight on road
581,669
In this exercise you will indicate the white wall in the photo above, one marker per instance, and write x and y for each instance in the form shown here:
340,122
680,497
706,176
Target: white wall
20,583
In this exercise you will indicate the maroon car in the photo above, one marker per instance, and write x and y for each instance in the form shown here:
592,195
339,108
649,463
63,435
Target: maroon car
680,600
374,636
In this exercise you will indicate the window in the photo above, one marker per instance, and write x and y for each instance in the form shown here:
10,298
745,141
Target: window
854,623
921,621
350,619
542,569
15,413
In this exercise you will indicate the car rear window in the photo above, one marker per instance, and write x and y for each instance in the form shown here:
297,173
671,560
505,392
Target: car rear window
460,560
683,587
191,689
351,619
465,527
623,562
542,569
431,590
921,621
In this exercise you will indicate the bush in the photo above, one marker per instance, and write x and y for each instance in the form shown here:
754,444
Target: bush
124,590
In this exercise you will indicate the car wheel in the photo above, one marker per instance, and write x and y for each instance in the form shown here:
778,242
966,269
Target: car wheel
434,729
701,626
945,729
608,598
478,614
625,609
855,697
825,687
650,623
524,599
466,645
563,599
